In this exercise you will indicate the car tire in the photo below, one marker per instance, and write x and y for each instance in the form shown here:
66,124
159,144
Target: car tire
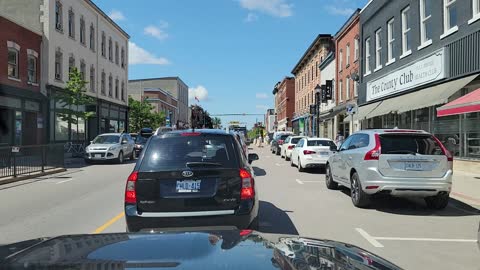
359,197
120,158
277,152
331,184
287,158
281,154
438,202
255,225
299,166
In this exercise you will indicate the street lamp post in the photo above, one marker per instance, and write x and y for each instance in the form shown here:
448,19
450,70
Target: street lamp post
318,91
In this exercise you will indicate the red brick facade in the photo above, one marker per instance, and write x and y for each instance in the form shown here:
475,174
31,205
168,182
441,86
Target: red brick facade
285,102
163,102
26,39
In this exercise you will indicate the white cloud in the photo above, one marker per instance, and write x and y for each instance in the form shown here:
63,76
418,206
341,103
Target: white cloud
340,10
261,96
157,32
200,92
116,15
277,8
262,107
251,17
138,55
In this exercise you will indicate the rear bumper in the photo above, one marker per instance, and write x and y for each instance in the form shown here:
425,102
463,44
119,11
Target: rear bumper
310,162
136,222
105,155
421,187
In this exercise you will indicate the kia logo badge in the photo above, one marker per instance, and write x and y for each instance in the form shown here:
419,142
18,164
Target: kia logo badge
187,173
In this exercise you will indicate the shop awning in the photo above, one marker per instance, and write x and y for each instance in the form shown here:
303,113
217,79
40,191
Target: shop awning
466,104
427,97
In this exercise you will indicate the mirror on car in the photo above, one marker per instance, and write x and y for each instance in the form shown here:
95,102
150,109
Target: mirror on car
252,157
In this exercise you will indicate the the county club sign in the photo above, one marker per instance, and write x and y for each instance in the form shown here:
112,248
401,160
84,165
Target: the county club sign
429,69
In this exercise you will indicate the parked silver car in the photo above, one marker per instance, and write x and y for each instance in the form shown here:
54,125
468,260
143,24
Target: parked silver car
395,162
110,146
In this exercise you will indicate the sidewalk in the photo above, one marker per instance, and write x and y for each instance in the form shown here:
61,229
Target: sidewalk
466,188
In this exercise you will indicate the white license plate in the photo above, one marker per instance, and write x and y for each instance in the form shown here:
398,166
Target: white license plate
324,153
413,166
188,186
98,155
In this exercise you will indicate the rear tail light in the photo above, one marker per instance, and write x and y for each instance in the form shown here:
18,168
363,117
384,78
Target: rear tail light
130,192
248,191
245,232
291,147
308,152
372,187
374,154
280,141
444,150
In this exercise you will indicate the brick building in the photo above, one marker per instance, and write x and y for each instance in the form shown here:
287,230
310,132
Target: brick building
347,50
284,92
162,101
22,106
307,77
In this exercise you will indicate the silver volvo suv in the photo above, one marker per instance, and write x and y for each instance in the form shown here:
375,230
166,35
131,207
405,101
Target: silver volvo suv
394,162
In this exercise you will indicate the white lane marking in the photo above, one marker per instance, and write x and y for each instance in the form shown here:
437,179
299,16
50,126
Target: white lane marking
369,238
298,181
277,164
311,181
425,239
64,181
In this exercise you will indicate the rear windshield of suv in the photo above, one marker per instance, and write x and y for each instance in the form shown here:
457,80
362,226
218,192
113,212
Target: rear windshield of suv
320,143
179,152
409,144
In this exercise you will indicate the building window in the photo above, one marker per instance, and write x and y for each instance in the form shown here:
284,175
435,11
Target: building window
425,22
449,16
82,70
347,88
103,44
123,91
110,49
116,88
340,92
102,83
71,65
391,40
32,69
378,49
92,37
123,58
71,23
406,32
58,65
13,63
92,79
356,50
340,60
82,30
348,54
355,88
58,16
476,8
110,85
367,56
116,53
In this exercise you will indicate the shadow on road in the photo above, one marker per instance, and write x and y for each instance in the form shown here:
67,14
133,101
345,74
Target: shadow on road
416,206
315,171
259,171
275,220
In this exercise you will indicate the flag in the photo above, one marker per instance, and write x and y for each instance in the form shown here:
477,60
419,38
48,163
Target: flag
198,100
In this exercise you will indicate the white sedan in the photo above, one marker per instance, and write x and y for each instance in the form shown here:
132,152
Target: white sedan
312,153
287,147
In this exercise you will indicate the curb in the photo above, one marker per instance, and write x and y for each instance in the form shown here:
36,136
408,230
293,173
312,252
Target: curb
30,176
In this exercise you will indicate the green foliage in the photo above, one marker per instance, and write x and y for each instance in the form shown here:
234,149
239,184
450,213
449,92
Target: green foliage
217,122
200,118
73,99
141,115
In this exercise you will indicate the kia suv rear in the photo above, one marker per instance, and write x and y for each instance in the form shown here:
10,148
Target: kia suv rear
395,162
192,179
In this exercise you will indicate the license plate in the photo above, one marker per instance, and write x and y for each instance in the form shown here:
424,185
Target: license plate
188,186
413,166
98,155
324,153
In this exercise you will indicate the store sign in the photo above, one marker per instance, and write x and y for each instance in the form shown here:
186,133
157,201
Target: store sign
427,70
329,90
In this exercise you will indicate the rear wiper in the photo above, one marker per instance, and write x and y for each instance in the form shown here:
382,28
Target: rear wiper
207,164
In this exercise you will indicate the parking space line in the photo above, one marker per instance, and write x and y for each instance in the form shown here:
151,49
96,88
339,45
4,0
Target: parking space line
426,239
311,181
369,238
298,181
64,181
277,164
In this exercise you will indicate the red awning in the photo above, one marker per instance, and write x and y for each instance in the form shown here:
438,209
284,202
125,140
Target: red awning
465,104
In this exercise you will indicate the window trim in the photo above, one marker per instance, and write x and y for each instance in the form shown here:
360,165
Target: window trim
340,91
59,23
340,60
368,56
347,55
475,8
92,79
390,41
71,23
378,50
92,37
423,22
405,31
17,71
347,88
446,19
83,31
104,45
60,68
35,70
356,50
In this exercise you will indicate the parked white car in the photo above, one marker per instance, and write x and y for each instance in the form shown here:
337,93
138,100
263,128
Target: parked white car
288,146
312,153
395,162
110,146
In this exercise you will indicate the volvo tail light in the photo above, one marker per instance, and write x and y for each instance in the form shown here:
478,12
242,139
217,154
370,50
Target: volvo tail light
444,149
374,154
248,191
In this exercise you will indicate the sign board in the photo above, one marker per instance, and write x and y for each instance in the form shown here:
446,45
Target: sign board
351,109
15,149
329,89
323,93
426,70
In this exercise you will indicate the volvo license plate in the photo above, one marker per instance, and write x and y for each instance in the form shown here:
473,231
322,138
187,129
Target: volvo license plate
413,166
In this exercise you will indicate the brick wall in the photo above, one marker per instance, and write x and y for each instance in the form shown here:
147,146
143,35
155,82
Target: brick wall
26,39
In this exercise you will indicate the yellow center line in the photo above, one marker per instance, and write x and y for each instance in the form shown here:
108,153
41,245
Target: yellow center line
109,223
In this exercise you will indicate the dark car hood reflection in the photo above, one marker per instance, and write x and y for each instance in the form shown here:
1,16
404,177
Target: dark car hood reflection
224,249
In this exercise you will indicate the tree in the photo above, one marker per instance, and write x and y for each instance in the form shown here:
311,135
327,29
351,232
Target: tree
142,115
217,122
73,99
200,118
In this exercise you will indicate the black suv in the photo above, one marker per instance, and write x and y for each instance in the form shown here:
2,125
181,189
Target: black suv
192,179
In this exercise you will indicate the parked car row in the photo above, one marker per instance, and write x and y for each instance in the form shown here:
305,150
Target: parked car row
403,163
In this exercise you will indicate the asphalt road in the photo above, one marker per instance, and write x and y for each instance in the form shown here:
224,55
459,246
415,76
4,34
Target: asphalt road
90,199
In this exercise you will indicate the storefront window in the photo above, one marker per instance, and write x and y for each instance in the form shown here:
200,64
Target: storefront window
420,120
103,125
389,121
404,120
113,127
78,130
472,134
121,126
61,129
447,130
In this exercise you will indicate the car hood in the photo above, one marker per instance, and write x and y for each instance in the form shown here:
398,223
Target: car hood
220,249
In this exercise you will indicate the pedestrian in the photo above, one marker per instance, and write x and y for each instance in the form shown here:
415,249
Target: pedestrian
339,139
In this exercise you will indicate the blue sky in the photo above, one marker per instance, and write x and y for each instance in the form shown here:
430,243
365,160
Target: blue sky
229,52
